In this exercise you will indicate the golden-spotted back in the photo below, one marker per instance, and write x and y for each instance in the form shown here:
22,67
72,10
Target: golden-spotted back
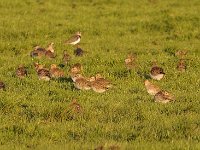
21,71
151,88
56,72
163,97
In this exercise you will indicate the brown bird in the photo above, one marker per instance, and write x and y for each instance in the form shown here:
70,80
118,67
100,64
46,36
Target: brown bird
130,62
38,52
151,88
55,72
181,66
78,51
50,51
98,87
21,71
76,68
81,83
66,57
163,97
74,39
156,72
2,86
43,73
101,80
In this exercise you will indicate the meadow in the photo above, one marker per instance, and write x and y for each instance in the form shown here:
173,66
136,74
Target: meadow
32,112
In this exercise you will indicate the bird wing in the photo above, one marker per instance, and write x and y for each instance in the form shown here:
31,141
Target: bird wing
72,39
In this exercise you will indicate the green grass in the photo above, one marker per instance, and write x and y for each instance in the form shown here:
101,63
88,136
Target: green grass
31,111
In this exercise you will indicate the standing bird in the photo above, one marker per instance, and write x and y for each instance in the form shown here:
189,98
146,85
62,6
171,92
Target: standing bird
55,72
43,73
74,39
66,57
151,88
21,71
2,86
156,73
50,51
163,97
81,83
181,66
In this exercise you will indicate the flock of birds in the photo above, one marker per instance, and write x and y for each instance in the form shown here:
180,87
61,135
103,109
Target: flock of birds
97,83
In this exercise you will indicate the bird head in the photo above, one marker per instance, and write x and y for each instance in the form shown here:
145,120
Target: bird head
53,66
50,47
78,33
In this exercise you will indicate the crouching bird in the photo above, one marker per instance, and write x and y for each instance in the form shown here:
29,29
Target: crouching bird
43,73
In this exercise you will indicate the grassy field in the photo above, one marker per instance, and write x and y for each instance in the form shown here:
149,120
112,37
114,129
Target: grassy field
32,112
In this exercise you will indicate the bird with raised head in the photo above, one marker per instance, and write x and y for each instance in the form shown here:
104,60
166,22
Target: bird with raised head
75,39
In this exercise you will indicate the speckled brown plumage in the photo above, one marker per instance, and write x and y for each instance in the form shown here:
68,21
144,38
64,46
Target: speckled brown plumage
81,83
151,88
163,97
130,61
56,72
38,52
21,71
43,73
181,66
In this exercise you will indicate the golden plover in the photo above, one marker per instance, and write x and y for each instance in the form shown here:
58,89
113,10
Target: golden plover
50,51
43,73
81,83
98,87
151,88
130,61
163,97
55,72
21,71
